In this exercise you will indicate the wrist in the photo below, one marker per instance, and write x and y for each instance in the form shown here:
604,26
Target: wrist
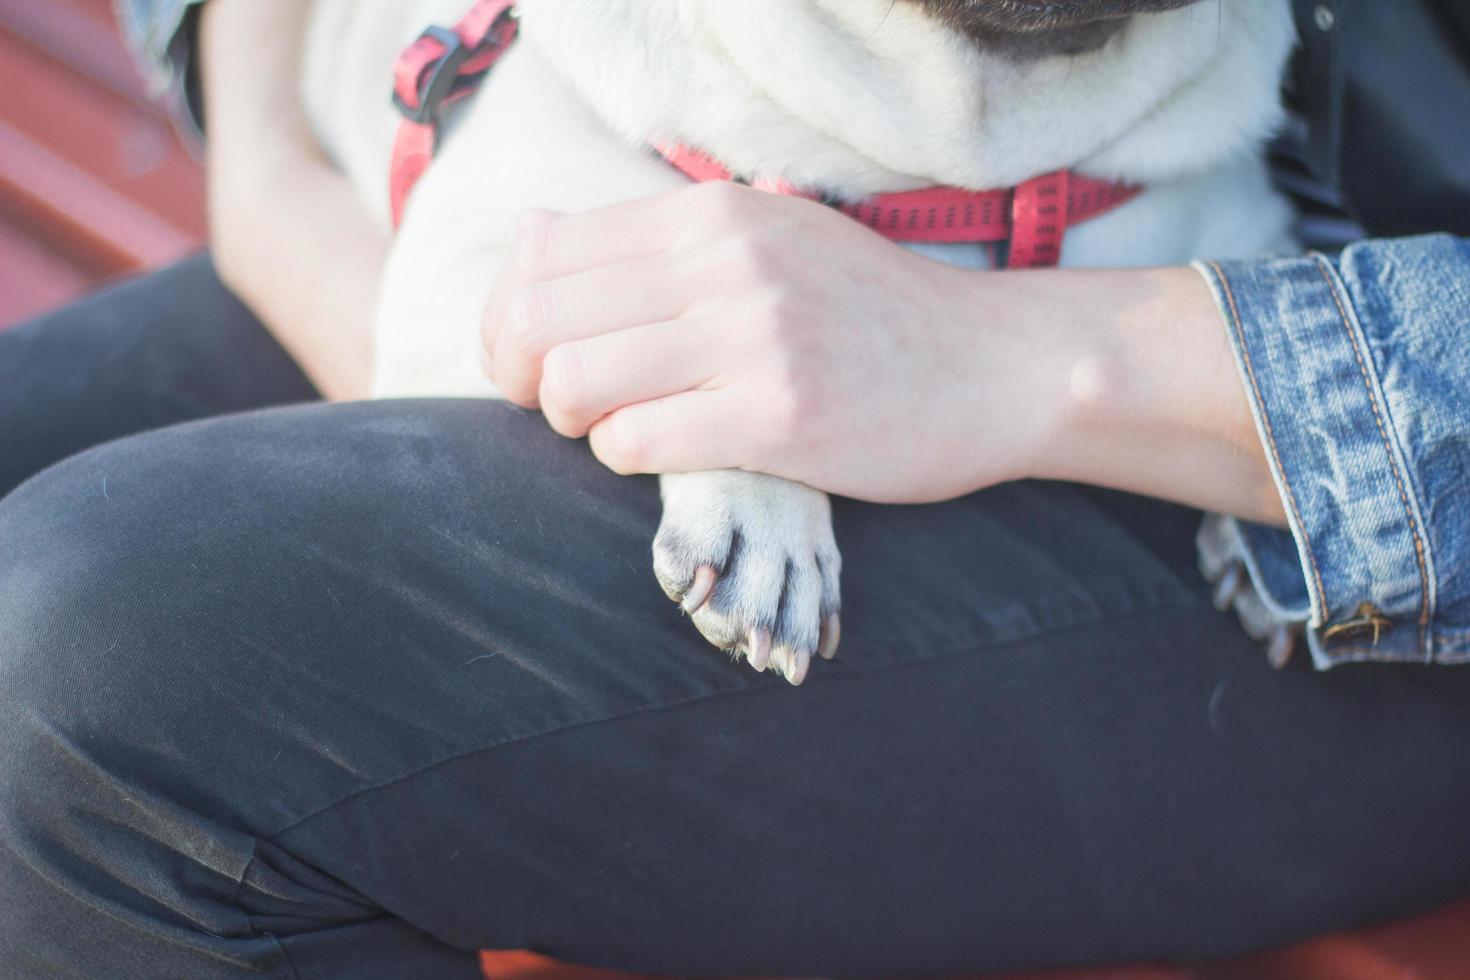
1146,394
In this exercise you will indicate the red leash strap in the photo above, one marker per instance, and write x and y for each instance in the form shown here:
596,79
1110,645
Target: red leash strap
440,68
443,66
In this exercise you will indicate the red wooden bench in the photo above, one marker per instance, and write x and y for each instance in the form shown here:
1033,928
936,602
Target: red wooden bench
93,182
1432,947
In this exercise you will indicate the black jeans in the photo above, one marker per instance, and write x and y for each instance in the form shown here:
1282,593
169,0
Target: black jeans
353,690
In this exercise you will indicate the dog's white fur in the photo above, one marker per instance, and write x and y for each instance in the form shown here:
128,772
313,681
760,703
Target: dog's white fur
849,96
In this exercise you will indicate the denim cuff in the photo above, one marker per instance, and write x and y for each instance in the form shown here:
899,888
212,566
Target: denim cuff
1342,417
161,35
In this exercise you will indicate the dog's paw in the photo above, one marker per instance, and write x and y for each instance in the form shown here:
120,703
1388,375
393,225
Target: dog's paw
752,559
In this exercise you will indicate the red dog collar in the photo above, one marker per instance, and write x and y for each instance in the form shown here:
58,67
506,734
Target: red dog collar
444,66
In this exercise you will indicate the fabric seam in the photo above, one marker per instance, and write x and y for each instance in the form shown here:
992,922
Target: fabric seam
100,909
234,903
1270,434
1419,555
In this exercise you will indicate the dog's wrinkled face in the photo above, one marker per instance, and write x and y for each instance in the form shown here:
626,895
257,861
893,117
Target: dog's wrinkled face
1038,28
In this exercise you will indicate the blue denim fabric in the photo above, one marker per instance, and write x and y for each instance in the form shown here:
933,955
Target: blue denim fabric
155,30
1359,380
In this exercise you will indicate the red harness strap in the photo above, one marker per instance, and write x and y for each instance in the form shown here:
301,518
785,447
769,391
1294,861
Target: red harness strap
1033,217
443,66
440,68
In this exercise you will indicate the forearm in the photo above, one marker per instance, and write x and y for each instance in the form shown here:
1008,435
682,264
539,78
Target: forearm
1323,395
288,232
1147,395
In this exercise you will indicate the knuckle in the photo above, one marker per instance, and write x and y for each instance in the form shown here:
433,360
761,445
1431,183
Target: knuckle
624,449
778,319
526,319
784,309
718,194
564,379
720,204
751,258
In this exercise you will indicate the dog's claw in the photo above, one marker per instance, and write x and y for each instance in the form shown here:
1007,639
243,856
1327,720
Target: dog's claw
759,648
831,636
699,592
751,559
797,664
779,656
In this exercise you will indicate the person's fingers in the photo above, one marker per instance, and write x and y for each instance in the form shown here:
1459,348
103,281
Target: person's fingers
550,245
586,379
528,319
493,317
696,430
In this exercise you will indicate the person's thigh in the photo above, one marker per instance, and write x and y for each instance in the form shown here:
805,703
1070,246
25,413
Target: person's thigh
353,690
168,347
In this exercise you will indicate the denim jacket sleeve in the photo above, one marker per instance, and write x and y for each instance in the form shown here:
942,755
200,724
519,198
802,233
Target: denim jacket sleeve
160,34
1358,376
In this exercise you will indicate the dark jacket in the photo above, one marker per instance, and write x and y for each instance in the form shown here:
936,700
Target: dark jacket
1385,88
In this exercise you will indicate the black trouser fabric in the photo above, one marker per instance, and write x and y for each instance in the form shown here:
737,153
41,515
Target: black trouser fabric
353,690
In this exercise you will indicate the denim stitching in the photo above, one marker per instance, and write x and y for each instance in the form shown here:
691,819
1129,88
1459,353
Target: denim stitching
1245,356
1388,450
1376,655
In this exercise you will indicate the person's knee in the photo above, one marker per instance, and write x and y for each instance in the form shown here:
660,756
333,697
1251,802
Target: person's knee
104,602
116,791
81,662
176,604
82,581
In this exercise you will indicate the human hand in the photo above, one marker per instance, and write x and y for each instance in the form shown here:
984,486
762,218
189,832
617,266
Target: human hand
718,327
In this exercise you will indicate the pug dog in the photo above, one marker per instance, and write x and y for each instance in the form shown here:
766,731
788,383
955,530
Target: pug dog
850,98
